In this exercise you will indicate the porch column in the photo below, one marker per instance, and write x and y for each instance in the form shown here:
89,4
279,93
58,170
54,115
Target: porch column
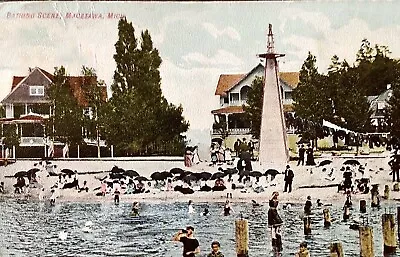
227,121
44,141
26,109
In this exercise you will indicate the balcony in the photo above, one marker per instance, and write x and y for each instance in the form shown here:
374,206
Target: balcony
235,131
234,103
32,141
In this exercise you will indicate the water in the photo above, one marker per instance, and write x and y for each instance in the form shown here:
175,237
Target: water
32,229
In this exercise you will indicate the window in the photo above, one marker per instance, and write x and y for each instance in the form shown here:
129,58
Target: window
36,90
288,95
234,97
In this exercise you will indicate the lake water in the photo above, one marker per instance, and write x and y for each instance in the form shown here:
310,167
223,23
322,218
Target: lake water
32,229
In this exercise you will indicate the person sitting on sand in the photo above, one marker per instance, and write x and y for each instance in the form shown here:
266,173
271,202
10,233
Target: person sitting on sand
84,187
219,185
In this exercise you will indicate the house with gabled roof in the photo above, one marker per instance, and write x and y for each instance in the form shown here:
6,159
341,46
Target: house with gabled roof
28,107
232,90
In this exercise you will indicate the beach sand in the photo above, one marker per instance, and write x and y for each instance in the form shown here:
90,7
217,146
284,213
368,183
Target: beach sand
376,168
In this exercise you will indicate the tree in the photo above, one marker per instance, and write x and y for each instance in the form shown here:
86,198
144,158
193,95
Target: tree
253,110
96,99
2,112
139,118
312,99
393,112
66,120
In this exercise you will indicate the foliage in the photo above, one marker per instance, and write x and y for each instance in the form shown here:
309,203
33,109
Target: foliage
139,117
66,121
11,137
253,110
2,112
393,112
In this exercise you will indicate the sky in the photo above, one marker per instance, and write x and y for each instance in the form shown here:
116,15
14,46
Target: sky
197,41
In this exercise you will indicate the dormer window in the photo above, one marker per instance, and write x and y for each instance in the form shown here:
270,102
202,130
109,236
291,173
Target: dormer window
36,90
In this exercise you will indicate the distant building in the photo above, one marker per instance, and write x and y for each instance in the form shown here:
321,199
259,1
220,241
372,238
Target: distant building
378,104
28,107
232,90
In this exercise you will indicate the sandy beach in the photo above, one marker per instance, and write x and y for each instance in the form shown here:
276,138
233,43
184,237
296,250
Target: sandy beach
376,168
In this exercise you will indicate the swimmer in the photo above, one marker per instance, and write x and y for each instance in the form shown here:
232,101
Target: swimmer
135,209
190,207
206,212
227,208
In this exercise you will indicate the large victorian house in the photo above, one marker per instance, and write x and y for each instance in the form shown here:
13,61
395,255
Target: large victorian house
232,90
28,107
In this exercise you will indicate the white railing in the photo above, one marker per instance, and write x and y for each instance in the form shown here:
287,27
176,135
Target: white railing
245,131
32,141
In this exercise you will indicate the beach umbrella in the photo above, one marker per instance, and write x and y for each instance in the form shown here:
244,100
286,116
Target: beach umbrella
186,172
351,162
256,174
20,174
117,176
176,171
32,171
166,174
217,175
141,178
116,169
230,171
271,172
189,178
68,171
156,176
131,173
325,162
205,175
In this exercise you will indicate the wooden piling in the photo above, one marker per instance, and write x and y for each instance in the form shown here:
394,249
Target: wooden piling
307,225
366,241
336,249
389,236
242,238
346,213
363,206
398,223
396,187
327,218
386,192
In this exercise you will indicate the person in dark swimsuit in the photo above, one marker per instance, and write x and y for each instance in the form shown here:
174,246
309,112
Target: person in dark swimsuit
307,206
275,222
227,208
191,245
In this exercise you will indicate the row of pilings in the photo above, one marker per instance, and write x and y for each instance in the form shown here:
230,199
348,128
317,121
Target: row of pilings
336,249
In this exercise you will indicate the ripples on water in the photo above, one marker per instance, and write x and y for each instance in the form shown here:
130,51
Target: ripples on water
32,229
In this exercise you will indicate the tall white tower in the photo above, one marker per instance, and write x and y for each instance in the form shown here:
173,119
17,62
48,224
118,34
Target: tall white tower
273,146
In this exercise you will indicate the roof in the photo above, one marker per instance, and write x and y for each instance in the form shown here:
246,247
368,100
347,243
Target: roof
29,118
239,109
228,81
229,109
20,87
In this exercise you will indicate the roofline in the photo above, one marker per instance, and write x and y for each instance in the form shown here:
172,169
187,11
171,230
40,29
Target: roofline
246,75
20,83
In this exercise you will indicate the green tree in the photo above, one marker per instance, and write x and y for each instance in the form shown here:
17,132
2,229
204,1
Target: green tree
66,120
393,112
11,136
140,118
96,97
2,112
312,99
253,110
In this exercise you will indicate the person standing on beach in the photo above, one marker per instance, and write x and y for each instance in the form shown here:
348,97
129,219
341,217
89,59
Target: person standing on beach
190,207
275,222
302,151
289,175
307,206
215,250
191,245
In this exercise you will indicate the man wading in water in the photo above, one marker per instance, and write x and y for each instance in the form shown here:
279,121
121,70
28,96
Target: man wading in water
190,244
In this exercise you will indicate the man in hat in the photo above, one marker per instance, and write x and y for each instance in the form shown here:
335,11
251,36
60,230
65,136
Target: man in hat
289,175
191,245
302,151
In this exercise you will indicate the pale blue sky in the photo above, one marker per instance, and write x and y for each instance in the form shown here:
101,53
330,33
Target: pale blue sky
197,41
